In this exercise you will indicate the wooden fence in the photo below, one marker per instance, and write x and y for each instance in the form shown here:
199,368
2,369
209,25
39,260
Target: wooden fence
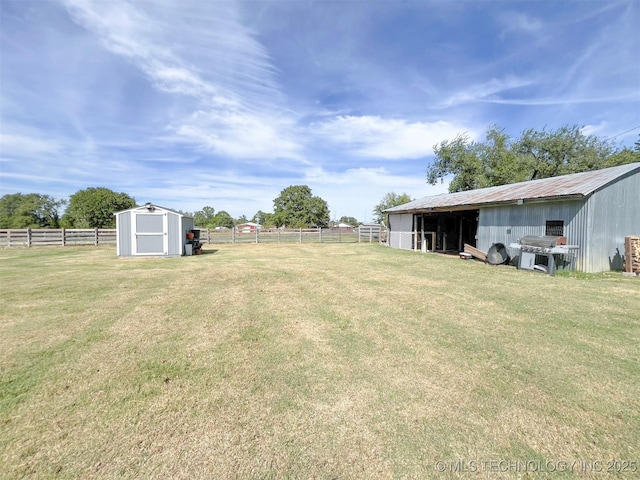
32,237
295,235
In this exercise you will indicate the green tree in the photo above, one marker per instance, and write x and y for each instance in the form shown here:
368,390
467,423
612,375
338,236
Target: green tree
349,221
500,159
31,210
625,155
205,218
263,218
567,150
391,199
223,219
94,207
241,219
297,207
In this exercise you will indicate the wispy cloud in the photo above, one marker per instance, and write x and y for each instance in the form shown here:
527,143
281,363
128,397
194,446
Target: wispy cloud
384,138
631,95
354,186
520,22
489,91
240,135
26,146
231,106
232,102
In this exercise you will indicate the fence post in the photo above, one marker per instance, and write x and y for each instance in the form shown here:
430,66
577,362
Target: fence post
64,233
370,235
233,235
320,228
359,233
95,238
256,234
278,234
300,235
28,237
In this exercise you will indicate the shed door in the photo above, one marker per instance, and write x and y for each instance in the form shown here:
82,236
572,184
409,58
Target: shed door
150,234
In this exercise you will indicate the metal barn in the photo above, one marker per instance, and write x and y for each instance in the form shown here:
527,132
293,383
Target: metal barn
152,230
594,210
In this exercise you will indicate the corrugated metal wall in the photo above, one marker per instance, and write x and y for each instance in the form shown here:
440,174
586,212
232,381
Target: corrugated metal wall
400,231
614,213
123,221
508,223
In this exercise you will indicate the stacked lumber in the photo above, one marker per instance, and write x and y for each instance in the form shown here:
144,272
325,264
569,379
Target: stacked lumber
473,251
632,254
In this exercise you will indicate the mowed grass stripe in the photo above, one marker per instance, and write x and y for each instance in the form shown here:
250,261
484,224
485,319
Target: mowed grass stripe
308,361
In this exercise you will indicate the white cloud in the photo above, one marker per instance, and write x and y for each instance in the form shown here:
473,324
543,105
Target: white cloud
520,22
356,191
487,91
22,145
202,53
384,138
594,129
238,135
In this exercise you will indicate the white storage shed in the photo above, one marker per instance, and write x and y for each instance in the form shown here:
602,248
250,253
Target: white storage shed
152,230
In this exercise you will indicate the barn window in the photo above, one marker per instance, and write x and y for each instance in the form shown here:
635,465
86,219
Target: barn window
555,228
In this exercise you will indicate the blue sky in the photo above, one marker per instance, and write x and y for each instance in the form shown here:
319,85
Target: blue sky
226,103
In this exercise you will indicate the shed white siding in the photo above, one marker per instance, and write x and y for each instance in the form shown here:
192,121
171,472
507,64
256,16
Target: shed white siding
151,231
123,236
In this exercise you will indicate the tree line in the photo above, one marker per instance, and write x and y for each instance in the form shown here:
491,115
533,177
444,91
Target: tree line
94,207
89,208
295,207
501,159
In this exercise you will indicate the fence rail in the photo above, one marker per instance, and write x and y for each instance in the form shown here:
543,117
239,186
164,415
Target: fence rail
295,235
32,237
38,237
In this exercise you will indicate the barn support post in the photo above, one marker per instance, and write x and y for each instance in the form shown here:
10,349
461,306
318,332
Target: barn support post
28,237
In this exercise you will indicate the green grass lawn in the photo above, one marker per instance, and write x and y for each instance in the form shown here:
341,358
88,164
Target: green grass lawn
312,361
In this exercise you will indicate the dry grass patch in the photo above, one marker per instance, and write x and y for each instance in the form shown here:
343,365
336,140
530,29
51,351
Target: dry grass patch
308,361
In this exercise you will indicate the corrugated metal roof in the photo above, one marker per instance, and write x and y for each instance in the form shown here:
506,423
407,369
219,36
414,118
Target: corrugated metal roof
574,185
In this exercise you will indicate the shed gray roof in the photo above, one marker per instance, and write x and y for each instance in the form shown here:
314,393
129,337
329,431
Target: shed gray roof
143,207
576,185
